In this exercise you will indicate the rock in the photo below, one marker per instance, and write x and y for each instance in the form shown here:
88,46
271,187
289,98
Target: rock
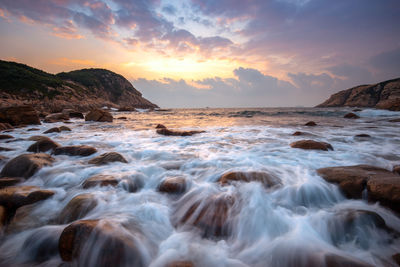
103,244
81,150
395,120
333,260
5,126
38,138
56,117
311,144
73,114
10,181
383,95
362,136
99,115
357,110
122,118
6,136
262,177
26,165
100,180
65,129
33,129
43,146
160,126
297,133
396,169
351,116
310,123
210,215
107,158
173,185
126,108
180,264
382,185
5,149
3,217
53,130
77,208
20,115
167,132
13,197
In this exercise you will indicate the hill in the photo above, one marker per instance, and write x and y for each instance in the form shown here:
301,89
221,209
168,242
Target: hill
80,89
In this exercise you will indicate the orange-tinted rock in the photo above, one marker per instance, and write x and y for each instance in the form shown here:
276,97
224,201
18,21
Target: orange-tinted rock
56,117
14,197
122,118
262,177
167,132
38,138
99,115
311,144
20,115
297,133
160,126
64,128
351,116
107,158
77,208
81,150
10,181
26,165
173,185
43,146
6,136
100,180
310,123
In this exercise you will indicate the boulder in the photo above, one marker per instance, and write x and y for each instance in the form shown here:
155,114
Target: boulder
43,146
381,185
5,126
73,114
77,208
56,117
310,123
107,158
103,244
20,115
160,126
10,181
210,215
64,129
262,177
100,180
80,150
167,132
99,115
6,136
38,138
311,144
173,185
53,130
297,133
351,116
26,165
13,197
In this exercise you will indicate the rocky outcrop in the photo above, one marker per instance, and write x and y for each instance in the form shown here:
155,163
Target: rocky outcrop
99,115
311,145
107,158
80,90
19,115
26,165
82,150
383,95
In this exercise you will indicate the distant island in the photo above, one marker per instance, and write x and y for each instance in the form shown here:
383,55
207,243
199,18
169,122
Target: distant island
79,90
383,95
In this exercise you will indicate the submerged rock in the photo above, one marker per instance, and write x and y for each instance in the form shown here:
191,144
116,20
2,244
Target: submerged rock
362,136
310,123
266,179
56,117
14,197
80,150
167,132
20,115
100,180
311,144
77,208
43,146
6,136
99,115
107,158
298,133
26,165
57,129
173,185
102,242
351,116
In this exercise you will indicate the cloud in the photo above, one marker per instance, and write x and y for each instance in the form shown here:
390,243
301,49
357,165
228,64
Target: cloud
387,63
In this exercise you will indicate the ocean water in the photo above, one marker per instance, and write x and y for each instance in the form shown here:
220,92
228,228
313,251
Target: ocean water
296,224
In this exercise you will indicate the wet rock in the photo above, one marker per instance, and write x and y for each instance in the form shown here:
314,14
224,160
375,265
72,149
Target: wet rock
395,120
20,115
362,136
160,126
6,136
33,129
103,244
351,116
311,144
5,149
10,181
3,217
73,114
210,215
122,118
81,150
56,117
262,177
357,110
43,146
173,185
297,133
99,115
310,123
396,169
121,109
107,158
382,185
77,208
26,165
65,129
180,264
53,130
100,180
5,126
167,132
13,197
38,138
333,260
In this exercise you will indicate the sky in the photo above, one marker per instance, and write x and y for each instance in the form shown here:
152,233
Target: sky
212,53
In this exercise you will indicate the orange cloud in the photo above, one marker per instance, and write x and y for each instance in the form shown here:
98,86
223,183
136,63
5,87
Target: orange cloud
72,62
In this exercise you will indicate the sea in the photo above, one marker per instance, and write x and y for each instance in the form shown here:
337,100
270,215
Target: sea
299,223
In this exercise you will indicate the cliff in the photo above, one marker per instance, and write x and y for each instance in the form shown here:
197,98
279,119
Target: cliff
383,95
80,90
